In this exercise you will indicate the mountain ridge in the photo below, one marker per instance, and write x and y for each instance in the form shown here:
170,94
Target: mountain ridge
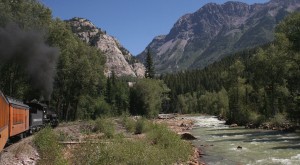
215,30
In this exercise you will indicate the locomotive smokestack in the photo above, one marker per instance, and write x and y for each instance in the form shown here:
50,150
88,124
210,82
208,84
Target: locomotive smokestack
28,50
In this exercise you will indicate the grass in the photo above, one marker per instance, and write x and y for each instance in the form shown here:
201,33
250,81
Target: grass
48,147
124,151
160,146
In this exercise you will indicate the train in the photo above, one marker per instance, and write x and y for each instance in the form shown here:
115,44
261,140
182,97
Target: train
19,119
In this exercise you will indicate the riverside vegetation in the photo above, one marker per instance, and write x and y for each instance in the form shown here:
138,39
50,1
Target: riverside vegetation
142,142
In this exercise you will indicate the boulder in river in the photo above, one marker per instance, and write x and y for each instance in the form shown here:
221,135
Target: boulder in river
187,136
233,125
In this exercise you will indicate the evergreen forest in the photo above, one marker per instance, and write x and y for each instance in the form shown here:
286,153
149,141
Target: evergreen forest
251,86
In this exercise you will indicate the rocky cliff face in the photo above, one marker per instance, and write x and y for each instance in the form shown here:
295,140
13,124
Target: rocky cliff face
118,59
201,38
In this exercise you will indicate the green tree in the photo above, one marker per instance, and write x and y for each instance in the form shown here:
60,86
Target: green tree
108,92
182,104
117,94
149,73
28,14
235,82
79,71
288,40
147,96
289,27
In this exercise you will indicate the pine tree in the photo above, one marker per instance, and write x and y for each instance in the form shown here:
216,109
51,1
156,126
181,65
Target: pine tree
149,66
108,93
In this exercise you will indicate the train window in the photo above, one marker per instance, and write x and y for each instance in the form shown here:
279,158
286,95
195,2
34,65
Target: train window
18,116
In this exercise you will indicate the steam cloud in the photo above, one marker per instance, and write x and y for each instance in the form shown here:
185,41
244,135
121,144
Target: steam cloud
29,51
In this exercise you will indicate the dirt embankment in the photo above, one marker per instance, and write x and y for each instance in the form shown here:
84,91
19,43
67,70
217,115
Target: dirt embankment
20,153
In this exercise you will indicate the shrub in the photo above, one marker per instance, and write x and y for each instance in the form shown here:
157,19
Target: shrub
62,136
141,126
161,137
255,118
106,126
129,124
279,119
48,147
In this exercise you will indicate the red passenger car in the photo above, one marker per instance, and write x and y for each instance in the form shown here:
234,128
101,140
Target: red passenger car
18,118
14,119
4,120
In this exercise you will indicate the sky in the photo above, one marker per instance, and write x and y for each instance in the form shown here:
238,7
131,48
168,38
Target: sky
133,22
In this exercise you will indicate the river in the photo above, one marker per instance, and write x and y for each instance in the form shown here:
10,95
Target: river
219,144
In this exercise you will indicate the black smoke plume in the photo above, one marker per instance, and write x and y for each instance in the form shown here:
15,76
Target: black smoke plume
28,50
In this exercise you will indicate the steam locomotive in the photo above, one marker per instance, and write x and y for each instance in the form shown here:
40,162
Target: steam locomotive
18,119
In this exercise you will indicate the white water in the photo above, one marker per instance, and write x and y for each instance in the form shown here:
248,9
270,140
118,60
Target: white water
219,144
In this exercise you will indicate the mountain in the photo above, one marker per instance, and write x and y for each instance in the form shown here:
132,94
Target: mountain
118,59
216,30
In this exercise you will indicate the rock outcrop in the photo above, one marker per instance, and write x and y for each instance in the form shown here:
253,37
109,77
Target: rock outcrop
216,30
118,59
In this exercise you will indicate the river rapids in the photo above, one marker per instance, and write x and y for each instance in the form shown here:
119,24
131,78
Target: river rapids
222,145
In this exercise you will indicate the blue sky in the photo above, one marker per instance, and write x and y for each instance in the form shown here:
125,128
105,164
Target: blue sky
133,22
